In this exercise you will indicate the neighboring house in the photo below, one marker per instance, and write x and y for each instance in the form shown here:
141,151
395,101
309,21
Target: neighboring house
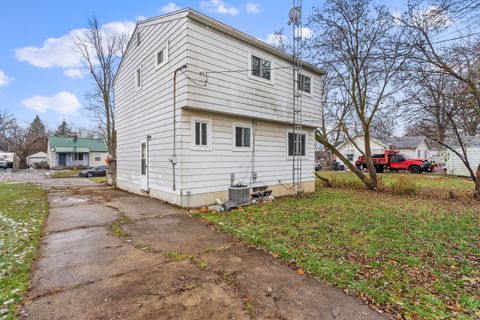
415,147
324,158
454,164
200,105
36,158
411,146
348,149
66,152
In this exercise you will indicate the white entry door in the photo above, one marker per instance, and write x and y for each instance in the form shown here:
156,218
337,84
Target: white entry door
144,165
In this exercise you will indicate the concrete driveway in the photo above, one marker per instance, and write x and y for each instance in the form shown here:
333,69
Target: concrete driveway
168,266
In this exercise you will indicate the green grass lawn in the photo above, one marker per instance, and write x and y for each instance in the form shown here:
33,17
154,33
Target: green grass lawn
23,210
410,256
99,179
428,184
69,173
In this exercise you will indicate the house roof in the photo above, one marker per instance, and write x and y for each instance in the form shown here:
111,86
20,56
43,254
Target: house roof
338,144
73,144
219,26
407,142
40,154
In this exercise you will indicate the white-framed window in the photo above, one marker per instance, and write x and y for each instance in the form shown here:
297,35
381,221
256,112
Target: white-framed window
261,68
242,136
296,143
350,156
161,56
77,156
304,83
202,134
98,157
138,78
139,38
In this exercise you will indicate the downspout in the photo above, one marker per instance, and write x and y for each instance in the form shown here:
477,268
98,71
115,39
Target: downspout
173,160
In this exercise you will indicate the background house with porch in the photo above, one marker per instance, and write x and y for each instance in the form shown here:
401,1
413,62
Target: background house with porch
69,152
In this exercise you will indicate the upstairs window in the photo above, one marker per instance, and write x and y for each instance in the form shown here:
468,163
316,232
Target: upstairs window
297,144
139,38
304,83
138,78
162,55
242,137
261,68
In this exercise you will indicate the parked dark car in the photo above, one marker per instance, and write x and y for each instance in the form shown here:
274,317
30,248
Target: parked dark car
100,171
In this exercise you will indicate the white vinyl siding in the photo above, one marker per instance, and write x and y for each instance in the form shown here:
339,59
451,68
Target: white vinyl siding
149,111
209,170
456,166
240,93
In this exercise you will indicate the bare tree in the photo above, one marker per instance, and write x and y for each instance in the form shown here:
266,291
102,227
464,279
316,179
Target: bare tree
101,52
456,60
360,44
7,121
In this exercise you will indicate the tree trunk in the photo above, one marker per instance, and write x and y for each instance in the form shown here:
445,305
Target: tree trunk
372,172
476,195
327,182
366,181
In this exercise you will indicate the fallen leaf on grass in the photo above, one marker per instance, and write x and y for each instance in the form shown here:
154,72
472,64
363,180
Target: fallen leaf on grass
300,271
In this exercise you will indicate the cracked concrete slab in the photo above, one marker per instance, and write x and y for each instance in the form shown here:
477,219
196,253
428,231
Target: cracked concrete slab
90,215
138,207
179,233
85,255
177,290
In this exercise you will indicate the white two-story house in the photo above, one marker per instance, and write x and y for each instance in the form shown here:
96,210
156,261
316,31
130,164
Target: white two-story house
201,105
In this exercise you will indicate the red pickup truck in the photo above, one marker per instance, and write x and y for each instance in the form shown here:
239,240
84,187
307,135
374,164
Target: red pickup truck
394,160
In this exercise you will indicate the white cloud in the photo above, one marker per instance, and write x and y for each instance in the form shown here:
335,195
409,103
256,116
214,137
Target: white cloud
253,7
54,52
220,7
4,79
140,18
307,33
169,7
74,73
62,103
60,52
275,39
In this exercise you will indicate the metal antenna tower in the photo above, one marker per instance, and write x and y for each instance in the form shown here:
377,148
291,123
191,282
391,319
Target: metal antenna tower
295,19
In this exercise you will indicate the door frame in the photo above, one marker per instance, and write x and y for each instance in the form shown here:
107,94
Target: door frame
144,181
64,158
